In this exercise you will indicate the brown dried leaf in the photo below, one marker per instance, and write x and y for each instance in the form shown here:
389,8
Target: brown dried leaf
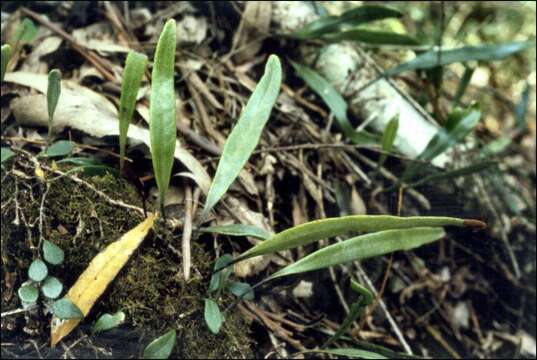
255,23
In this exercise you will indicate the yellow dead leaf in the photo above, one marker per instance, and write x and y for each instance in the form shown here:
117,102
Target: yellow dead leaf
39,173
100,272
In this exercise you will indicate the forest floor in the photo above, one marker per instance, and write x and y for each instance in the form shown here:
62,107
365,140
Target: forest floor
472,294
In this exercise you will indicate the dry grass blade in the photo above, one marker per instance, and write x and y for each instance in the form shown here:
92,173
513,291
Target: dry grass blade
98,275
245,135
162,109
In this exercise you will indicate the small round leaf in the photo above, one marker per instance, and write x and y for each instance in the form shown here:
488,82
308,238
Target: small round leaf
65,309
213,316
38,270
51,287
28,293
161,347
108,321
242,290
52,253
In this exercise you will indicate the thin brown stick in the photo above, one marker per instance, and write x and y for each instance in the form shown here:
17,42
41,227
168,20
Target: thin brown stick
89,55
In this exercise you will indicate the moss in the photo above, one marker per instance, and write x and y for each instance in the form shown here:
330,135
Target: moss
150,289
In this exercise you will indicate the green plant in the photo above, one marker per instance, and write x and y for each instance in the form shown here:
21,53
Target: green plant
6,154
162,110
459,124
65,309
388,139
26,31
220,282
435,57
132,77
346,27
356,309
335,103
50,286
161,347
6,54
107,322
389,234
321,229
245,135
53,95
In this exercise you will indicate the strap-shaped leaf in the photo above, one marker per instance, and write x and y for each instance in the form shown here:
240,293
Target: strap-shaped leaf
238,230
362,247
431,58
353,17
53,95
321,229
244,137
53,91
335,102
388,138
132,76
372,37
162,109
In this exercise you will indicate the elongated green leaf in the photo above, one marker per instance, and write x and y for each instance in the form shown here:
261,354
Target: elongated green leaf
459,124
238,230
431,58
162,109
362,247
463,85
354,312
108,321
388,138
26,31
90,166
352,353
6,54
335,103
495,147
353,17
521,108
53,92
161,347
371,37
213,316
132,76
366,295
245,135
467,170
321,229
366,298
